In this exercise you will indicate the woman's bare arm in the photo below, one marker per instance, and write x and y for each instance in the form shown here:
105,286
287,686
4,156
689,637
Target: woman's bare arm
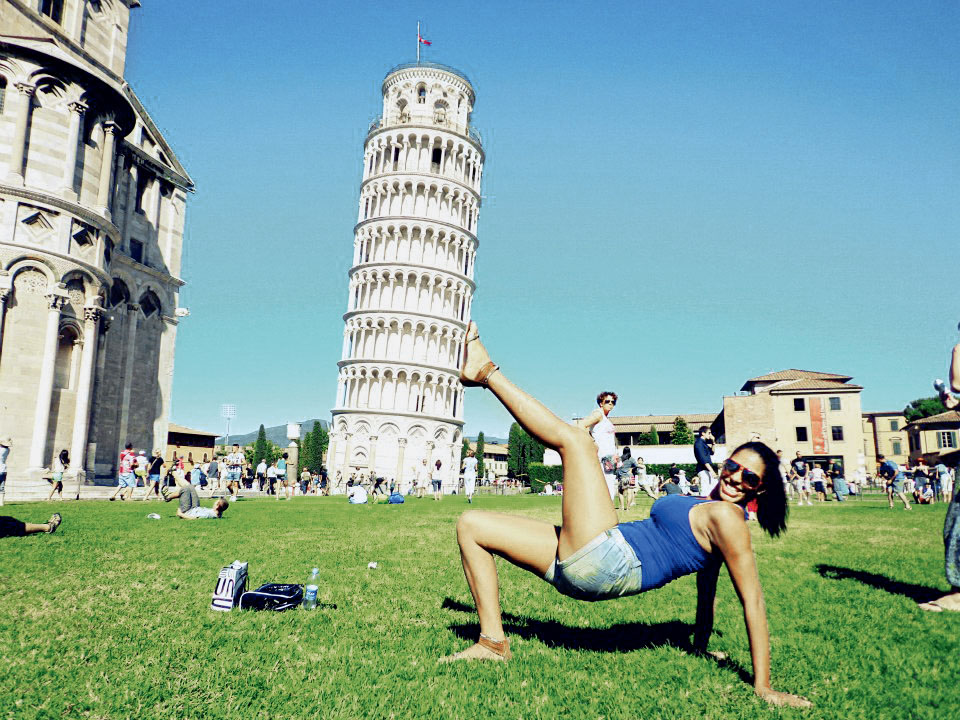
590,420
706,593
732,538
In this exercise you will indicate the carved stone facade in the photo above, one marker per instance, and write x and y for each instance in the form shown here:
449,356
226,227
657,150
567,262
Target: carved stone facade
399,400
92,203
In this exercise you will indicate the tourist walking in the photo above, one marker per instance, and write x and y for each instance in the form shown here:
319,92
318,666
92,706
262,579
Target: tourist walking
436,479
801,481
603,434
272,480
423,477
839,483
155,469
818,476
213,471
626,479
5,444
894,478
592,557
60,464
785,474
703,453
126,480
261,473
234,462
470,475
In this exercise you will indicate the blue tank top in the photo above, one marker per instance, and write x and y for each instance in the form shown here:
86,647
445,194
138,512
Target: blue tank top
664,542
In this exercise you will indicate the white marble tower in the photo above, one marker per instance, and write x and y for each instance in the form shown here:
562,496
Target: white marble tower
399,399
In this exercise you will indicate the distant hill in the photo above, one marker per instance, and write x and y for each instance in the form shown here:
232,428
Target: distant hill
276,434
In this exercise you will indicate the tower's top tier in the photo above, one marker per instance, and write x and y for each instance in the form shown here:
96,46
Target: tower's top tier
427,94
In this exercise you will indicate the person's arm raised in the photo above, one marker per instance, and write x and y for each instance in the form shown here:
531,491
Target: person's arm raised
732,538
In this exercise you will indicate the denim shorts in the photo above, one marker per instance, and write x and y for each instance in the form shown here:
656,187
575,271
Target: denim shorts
604,568
127,480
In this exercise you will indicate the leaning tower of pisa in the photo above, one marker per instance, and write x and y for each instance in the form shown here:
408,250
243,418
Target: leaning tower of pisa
399,400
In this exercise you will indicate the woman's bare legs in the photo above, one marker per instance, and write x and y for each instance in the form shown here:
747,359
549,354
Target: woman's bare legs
533,545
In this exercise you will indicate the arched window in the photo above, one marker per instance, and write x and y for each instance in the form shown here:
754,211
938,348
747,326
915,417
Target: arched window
421,94
65,366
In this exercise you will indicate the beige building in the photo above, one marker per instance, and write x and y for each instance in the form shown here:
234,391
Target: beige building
92,203
935,438
817,414
186,442
494,458
885,433
630,428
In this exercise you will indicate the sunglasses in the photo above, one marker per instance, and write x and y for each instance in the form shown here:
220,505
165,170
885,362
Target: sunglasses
748,478
611,402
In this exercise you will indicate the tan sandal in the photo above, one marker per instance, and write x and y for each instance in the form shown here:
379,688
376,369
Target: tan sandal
500,649
488,369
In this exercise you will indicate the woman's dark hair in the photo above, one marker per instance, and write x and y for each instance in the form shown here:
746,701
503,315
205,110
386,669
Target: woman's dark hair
772,499
604,394
626,453
65,457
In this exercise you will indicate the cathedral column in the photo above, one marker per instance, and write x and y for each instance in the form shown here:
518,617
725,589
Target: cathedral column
133,180
372,463
331,462
81,416
18,148
110,131
41,416
6,288
77,109
347,450
402,443
132,311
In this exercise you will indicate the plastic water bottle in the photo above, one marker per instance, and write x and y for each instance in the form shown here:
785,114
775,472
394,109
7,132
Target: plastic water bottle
310,591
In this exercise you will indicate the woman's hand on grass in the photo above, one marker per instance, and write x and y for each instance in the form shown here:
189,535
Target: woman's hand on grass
781,698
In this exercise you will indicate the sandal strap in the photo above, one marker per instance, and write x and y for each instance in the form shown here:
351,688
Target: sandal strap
485,372
500,647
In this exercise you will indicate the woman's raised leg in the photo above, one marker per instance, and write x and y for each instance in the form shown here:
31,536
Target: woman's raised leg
587,509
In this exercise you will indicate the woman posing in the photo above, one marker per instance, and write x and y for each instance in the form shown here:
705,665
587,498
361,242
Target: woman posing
60,464
591,557
602,432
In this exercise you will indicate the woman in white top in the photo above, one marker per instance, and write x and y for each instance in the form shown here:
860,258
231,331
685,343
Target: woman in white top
60,464
601,429
423,475
469,475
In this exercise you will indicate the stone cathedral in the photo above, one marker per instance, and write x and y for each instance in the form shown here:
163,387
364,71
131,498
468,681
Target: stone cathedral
399,400
92,203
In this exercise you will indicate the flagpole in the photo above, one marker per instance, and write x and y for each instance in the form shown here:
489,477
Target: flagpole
418,42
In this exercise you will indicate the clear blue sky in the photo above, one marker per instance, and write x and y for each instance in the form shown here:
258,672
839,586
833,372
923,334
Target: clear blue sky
679,195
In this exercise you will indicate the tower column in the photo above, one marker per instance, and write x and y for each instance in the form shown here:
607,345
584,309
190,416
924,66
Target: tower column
41,417
106,168
6,288
402,445
18,147
347,450
131,349
81,418
331,462
372,461
77,109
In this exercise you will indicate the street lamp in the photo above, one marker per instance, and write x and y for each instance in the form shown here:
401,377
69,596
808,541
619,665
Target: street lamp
228,411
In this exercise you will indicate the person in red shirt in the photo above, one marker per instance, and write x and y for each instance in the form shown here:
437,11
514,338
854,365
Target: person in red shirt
127,480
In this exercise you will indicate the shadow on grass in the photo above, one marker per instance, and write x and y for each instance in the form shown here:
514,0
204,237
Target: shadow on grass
917,593
622,637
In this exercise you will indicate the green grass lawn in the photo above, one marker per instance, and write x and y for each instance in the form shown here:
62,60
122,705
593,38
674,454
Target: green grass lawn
109,618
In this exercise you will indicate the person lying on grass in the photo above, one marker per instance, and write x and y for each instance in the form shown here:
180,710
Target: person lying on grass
190,503
11,527
591,557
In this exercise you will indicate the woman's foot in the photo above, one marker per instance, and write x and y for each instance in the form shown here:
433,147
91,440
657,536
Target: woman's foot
477,366
54,522
950,602
485,649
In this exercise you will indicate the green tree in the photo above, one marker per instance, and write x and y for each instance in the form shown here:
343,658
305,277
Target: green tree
261,447
305,456
320,439
522,451
681,435
923,407
481,445
649,438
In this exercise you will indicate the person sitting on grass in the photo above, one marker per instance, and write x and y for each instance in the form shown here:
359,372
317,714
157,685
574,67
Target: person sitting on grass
356,493
190,502
592,557
11,527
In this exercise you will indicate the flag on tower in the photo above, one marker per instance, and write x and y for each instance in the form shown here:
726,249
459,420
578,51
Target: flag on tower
425,42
